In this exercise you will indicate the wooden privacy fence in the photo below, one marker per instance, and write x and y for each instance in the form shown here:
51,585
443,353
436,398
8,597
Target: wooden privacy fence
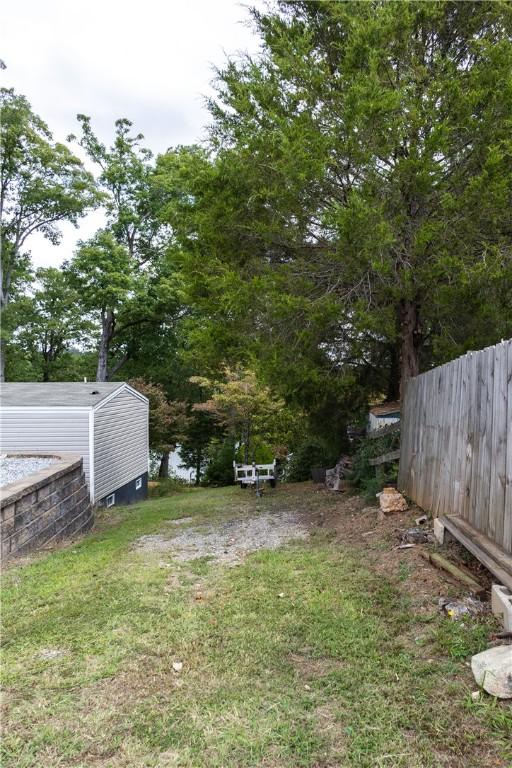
456,442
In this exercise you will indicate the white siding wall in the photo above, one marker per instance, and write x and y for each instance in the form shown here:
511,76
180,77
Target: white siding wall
52,429
121,450
377,423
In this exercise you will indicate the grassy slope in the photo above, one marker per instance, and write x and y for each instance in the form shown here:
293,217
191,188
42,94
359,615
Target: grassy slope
335,672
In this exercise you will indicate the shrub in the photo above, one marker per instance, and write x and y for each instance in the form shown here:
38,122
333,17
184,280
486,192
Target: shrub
311,453
166,486
220,465
368,479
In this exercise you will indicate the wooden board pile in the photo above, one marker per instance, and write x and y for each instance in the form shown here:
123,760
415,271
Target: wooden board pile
336,479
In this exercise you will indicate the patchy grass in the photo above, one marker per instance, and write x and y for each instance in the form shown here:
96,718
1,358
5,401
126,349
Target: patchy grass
302,656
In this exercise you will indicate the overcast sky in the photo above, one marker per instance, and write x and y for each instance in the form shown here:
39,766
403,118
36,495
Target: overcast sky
150,61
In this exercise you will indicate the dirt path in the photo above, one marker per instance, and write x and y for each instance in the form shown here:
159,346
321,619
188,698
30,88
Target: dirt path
228,542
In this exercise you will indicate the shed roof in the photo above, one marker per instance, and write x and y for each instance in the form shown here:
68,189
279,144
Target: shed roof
385,408
57,393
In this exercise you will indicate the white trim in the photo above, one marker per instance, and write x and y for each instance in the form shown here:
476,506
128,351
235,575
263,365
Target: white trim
110,496
45,408
91,454
122,388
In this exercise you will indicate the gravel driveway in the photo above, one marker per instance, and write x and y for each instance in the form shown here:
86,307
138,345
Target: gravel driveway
227,542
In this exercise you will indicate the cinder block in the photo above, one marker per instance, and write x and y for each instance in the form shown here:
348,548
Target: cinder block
439,530
501,604
7,514
26,502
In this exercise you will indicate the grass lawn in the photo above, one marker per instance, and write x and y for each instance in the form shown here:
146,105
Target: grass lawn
307,655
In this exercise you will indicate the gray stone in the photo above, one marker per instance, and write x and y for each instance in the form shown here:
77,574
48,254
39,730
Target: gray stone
501,605
493,671
439,531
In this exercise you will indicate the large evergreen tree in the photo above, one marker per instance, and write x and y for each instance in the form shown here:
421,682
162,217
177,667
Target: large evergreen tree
364,176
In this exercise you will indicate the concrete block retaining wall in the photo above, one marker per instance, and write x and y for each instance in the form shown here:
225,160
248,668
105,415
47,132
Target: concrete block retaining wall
47,506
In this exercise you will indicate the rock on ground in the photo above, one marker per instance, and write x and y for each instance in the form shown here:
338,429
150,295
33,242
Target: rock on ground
493,671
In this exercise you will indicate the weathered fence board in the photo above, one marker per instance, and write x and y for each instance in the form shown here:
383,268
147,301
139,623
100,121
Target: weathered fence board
385,458
456,446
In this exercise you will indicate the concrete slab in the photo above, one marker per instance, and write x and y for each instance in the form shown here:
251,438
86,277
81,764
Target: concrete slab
501,604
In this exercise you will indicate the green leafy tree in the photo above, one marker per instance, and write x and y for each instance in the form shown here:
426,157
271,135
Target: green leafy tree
202,428
167,421
248,409
42,184
52,322
133,203
102,272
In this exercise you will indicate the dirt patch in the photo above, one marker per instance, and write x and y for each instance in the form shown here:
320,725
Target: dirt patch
352,522
228,542
309,668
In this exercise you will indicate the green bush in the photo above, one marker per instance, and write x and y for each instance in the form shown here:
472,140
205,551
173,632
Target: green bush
370,480
311,453
220,464
165,486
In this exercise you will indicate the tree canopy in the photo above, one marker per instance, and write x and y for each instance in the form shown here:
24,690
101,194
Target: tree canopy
345,225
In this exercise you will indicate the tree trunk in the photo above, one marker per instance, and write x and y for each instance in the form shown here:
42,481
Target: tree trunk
393,388
247,441
164,465
198,467
2,360
411,341
107,331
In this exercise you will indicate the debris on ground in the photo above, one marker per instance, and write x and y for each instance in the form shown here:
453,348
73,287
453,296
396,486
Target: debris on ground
417,536
459,609
421,520
177,666
391,500
493,671
51,653
336,479
459,572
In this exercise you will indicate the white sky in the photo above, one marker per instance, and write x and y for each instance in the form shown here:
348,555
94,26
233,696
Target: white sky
150,61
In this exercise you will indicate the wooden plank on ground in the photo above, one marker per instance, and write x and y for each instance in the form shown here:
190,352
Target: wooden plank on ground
461,574
498,562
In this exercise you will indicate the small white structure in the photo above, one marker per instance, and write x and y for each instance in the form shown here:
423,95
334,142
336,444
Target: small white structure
250,474
104,422
383,415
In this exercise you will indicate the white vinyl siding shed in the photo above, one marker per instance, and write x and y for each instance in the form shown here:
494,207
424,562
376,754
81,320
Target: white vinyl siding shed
116,463
106,423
